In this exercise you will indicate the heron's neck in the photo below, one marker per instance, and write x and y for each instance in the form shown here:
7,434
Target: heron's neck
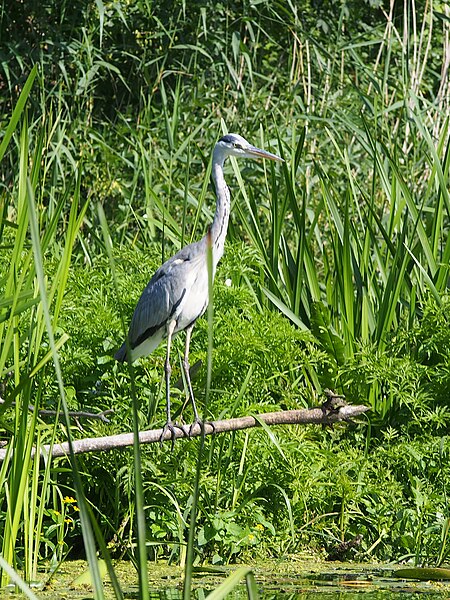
220,223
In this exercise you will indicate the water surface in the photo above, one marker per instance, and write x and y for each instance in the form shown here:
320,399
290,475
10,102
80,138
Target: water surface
275,580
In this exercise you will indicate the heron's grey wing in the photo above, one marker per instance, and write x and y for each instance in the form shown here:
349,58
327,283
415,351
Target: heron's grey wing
163,294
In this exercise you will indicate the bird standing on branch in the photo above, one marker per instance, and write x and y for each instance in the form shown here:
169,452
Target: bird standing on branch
177,294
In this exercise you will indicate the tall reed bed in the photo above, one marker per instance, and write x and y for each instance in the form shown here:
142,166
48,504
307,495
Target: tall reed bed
354,263
36,224
350,244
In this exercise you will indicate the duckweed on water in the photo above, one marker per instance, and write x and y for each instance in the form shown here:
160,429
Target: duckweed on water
275,580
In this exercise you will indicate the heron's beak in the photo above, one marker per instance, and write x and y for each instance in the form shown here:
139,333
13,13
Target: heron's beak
258,153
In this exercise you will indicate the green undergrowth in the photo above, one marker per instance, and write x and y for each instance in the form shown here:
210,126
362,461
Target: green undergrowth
248,343
304,487
336,274
279,364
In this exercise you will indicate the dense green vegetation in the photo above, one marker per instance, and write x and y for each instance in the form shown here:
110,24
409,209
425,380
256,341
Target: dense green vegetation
335,275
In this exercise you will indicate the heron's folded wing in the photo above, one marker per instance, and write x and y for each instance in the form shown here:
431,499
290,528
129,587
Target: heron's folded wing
163,295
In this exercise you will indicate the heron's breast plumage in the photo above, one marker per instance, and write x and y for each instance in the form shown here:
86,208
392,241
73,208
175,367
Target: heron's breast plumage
195,298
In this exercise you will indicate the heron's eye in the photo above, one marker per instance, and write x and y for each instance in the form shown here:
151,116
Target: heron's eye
236,145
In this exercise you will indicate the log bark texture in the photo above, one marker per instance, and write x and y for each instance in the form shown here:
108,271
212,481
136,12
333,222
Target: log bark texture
287,417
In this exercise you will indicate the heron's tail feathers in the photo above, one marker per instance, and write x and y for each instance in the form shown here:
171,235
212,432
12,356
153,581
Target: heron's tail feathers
121,354
144,348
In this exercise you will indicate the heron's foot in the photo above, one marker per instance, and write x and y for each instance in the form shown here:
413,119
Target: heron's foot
171,426
201,424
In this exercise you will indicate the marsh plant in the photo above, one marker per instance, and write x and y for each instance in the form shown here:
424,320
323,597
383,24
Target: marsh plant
335,275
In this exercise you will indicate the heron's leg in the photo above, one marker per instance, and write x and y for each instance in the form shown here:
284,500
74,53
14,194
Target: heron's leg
168,370
186,368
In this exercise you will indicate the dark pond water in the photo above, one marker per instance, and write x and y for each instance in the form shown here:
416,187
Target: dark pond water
277,581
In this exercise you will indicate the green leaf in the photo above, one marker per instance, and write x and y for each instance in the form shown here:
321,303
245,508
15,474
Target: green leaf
285,309
18,109
325,333
423,573
230,584
85,578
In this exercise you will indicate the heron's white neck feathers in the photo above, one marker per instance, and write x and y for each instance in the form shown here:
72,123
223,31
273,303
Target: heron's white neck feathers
220,223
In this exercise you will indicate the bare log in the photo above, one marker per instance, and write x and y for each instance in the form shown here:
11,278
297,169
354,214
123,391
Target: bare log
287,417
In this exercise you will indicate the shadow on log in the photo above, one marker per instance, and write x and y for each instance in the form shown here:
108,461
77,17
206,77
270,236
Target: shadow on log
318,416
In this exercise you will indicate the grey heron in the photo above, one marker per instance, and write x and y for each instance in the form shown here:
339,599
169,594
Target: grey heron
177,294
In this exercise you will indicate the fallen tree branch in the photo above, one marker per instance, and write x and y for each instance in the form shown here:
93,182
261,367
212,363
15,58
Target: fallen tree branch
319,415
81,414
78,414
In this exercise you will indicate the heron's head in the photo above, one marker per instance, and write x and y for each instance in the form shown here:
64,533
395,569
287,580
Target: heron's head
233,144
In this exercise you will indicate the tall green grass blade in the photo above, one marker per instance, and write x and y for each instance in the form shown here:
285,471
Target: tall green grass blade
231,583
18,110
444,548
344,268
19,258
271,435
324,332
18,479
101,14
140,513
84,514
427,278
300,260
284,309
75,221
106,560
22,439
289,510
18,581
414,212
252,587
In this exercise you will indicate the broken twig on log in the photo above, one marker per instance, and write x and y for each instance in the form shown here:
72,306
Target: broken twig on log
80,414
285,417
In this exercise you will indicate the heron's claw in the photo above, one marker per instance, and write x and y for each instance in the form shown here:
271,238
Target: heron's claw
170,426
198,421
